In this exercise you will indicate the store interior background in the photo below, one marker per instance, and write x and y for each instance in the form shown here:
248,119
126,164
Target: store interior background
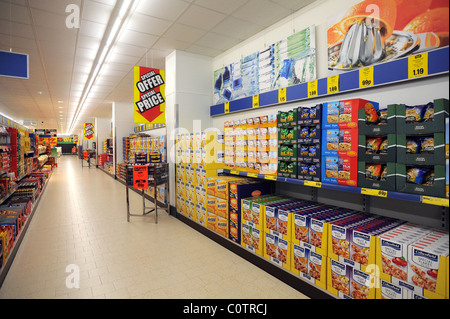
187,39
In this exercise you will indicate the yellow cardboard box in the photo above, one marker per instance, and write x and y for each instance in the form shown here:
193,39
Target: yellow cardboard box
309,265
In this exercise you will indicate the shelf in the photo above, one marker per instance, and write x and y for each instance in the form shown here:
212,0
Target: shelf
351,189
384,73
13,189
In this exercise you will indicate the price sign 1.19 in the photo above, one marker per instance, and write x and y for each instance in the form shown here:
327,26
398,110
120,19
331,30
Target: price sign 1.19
418,65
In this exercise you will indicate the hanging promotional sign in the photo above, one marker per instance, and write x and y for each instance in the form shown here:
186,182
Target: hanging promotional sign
376,31
89,133
75,139
149,96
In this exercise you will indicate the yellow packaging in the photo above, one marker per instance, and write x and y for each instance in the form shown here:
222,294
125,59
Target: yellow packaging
222,226
213,151
252,239
211,221
211,203
221,208
201,214
277,250
211,186
309,265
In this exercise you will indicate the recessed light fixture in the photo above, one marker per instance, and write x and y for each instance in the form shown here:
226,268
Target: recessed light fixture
60,102
40,92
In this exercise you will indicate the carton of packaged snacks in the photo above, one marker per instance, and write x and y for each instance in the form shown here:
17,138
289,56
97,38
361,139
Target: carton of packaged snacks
363,285
252,239
222,226
309,265
338,278
277,250
345,114
428,263
392,250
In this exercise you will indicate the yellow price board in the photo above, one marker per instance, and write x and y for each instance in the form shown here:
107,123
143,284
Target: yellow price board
313,88
227,107
270,177
282,95
333,84
234,172
255,101
418,65
313,184
252,175
435,201
374,192
366,77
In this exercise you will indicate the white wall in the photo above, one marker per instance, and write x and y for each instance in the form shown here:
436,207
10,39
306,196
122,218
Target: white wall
103,132
123,126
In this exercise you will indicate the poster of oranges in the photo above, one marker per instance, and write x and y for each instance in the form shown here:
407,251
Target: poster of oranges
376,31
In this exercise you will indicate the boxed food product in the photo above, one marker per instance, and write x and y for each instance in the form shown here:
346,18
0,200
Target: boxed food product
277,250
428,263
340,170
309,153
252,214
309,115
344,114
211,221
252,239
377,175
422,119
393,290
309,265
288,118
338,278
310,171
222,226
288,169
378,149
363,285
382,122
221,208
426,149
392,250
421,179
340,142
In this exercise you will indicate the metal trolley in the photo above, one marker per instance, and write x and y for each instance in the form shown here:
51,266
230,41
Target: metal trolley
158,174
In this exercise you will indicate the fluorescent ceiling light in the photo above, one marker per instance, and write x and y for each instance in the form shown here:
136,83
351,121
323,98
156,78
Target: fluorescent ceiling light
123,8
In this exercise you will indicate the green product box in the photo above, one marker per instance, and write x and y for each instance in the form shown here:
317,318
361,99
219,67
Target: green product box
417,150
405,186
385,124
420,120
287,135
287,119
288,169
287,152
367,180
378,149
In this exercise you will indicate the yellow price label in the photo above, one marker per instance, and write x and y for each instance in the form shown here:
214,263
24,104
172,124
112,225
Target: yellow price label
374,192
313,88
227,107
418,65
435,201
252,175
333,84
255,101
234,172
366,77
313,184
282,95
270,177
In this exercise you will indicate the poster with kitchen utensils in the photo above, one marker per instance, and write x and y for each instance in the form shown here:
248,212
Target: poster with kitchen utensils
377,31
285,63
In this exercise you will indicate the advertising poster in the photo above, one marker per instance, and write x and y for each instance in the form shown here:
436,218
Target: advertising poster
140,177
89,132
376,31
75,139
149,96
288,62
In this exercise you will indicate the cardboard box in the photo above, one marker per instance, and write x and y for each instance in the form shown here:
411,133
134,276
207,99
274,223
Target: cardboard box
384,124
338,278
222,226
289,118
252,239
414,119
309,115
288,169
340,142
438,189
252,213
421,149
277,250
310,171
309,153
344,114
340,170
309,266
211,221
385,181
378,149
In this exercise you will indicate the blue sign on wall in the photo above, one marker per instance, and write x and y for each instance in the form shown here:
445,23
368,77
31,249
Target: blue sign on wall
14,65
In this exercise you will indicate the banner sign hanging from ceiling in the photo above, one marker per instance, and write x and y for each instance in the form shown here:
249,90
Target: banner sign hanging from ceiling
89,132
15,65
149,96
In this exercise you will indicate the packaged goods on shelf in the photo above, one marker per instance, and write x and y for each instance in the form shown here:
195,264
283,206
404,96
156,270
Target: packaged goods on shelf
277,250
381,122
309,265
428,149
421,179
381,176
378,148
340,170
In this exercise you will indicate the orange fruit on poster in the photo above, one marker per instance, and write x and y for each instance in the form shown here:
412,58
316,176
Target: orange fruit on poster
387,12
408,9
439,4
334,35
435,20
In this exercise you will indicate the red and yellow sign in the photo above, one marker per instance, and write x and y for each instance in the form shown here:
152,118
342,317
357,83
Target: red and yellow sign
89,132
149,96
140,177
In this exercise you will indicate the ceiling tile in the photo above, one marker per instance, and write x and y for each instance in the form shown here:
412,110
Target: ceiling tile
147,24
97,12
164,9
262,12
184,33
58,7
201,18
137,38
217,41
19,13
92,29
226,7
237,28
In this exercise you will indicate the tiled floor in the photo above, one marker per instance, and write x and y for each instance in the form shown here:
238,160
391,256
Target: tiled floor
80,224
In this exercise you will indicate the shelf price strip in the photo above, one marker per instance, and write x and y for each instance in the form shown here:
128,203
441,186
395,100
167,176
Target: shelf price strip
374,192
435,201
255,101
282,95
418,65
333,84
313,88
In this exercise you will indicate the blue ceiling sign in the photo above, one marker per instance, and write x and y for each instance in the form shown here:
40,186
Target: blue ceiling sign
14,65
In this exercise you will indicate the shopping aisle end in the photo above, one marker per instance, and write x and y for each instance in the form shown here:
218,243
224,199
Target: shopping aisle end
80,245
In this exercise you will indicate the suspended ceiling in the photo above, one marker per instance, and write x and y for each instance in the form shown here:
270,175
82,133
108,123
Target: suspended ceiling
61,59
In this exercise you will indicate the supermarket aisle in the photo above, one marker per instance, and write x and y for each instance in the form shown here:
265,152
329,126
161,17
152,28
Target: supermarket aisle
81,224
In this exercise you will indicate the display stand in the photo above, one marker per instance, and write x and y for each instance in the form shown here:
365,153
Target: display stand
158,174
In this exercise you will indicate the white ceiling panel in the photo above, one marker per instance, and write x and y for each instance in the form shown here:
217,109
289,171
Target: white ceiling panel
138,38
226,7
97,12
147,24
181,32
164,9
201,18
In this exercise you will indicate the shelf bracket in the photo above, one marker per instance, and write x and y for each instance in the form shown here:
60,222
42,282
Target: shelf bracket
366,204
